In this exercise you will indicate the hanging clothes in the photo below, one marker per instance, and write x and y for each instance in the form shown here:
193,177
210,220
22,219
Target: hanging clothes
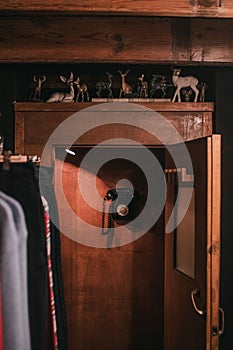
21,183
1,335
14,288
22,232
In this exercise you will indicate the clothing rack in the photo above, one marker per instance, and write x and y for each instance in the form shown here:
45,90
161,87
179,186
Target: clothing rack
8,158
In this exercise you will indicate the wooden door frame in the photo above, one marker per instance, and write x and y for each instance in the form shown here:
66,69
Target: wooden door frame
213,241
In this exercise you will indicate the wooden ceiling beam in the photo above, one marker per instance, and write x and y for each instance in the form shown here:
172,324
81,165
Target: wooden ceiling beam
79,39
176,8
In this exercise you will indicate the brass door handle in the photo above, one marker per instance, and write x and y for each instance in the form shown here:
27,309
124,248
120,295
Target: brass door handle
195,293
221,330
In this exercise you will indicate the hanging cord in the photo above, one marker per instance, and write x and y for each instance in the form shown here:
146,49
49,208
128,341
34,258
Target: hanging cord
110,218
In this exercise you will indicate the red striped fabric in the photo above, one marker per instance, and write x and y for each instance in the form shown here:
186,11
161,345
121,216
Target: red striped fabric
50,281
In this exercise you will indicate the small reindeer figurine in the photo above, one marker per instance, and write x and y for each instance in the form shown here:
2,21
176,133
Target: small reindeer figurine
184,82
64,96
36,92
143,88
105,85
203,87
187,94
125,89
158,82
81,90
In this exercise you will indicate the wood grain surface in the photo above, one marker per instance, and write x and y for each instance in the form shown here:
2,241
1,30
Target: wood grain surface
116,39
35,122
114,297
206,8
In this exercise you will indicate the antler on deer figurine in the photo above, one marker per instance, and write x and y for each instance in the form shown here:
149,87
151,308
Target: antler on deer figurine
64,96
81,90
125,89
36,92
184,82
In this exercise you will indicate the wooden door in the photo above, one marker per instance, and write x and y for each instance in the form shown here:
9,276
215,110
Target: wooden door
192,256
114,297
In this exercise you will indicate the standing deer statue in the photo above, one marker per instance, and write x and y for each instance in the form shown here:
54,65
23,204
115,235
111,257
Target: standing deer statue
125,89
105,85
202,87
183,82
36,93
158,82
81,89
64,96
143,88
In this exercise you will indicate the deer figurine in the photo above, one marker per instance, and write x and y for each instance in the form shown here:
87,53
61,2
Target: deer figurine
158,82
36,93
143,88
81,90
183,82
125,89
64,96
105,85
202,87
187,94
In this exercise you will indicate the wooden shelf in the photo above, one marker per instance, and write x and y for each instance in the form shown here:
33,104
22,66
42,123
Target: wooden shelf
35,122
76,106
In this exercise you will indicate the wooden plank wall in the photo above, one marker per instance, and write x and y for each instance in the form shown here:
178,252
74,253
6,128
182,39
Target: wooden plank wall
116,39
185,8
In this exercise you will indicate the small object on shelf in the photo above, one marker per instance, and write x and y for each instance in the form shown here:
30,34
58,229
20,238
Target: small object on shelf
64,96
1,143
183,82
136,91
36,92
104,85
81,90
158,82
187,94
143,92
202,87
125,89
